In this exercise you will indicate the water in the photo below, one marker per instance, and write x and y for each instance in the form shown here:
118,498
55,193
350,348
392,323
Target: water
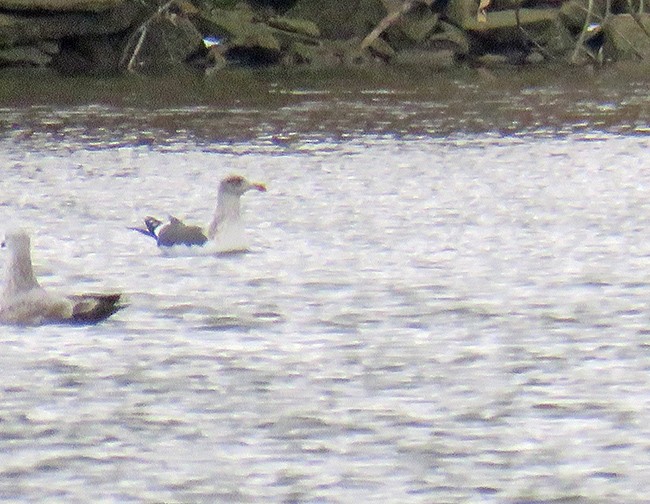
434,308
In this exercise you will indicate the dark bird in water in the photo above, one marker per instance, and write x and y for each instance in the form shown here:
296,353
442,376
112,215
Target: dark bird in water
226,228
24,302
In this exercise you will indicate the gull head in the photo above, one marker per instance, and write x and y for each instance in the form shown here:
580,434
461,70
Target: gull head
238,185
16,241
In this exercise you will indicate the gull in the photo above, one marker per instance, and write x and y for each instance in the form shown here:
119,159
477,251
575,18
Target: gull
24,302
225,230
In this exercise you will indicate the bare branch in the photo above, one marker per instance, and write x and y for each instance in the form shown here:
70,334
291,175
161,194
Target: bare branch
141,34
390,19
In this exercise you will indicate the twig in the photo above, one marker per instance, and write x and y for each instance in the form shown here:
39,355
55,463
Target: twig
143,34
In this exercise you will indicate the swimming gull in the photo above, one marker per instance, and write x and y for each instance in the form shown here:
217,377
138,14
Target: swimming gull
24,302
226,228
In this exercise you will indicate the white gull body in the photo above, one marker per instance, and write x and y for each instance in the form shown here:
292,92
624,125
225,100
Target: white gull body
24,302
225,232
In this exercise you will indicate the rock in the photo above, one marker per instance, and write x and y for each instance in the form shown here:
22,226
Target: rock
17,29
169,40
449,37
95,55
329,54
461,13
262,40
224,23
229,25
535,58
556,41
510,58
241,24
412,28
626,37
186,7
382,49
511,31
299,26
503,59
60,5
49,46
353,56
416,28
340,20
254,49
247,41
425,58
508,29
214,60
574,12
325,55
24,55
301,54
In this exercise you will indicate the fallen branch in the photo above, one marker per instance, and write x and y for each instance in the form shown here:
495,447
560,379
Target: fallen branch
583,34
141,34
391,19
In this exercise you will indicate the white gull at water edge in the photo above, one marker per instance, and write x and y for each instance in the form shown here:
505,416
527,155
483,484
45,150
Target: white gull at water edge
24,302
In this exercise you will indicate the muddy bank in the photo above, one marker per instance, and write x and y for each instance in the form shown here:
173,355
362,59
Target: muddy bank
161,37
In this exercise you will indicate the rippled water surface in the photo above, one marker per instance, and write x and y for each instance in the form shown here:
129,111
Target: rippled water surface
443,302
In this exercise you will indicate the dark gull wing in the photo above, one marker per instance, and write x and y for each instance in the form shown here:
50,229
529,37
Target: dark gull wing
93,308
175,232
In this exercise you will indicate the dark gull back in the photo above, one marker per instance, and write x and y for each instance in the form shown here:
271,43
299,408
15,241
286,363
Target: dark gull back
177,233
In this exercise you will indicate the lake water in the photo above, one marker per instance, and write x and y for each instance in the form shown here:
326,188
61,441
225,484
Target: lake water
445,298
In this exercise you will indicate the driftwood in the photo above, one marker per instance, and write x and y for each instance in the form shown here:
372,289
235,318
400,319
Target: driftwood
391,19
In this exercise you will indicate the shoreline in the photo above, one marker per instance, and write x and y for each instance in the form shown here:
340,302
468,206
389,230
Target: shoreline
113,37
